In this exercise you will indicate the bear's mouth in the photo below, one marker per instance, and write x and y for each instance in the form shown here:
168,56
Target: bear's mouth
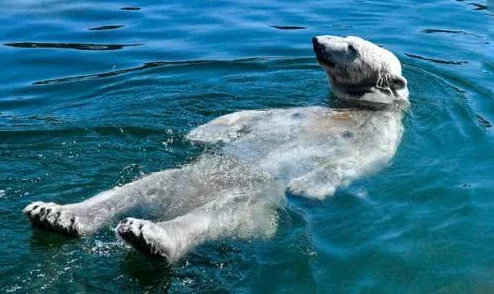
324,62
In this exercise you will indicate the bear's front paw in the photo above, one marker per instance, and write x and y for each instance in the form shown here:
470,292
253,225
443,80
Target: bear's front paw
306,187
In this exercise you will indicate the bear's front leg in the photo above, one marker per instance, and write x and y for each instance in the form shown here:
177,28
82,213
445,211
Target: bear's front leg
323,181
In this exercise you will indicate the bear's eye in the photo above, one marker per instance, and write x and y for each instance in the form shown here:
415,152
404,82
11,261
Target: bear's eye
351,48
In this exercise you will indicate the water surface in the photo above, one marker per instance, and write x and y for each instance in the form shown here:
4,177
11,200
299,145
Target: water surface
94,95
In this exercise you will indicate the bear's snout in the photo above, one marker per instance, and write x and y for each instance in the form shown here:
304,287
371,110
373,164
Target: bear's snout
321,52
314,41
317,47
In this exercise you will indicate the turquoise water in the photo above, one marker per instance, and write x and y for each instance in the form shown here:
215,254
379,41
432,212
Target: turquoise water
94,95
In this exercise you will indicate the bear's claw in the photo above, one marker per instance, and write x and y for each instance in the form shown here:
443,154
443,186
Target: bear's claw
51,217
144,236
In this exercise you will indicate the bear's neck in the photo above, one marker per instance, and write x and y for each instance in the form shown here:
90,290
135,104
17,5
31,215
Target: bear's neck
368,98
397,106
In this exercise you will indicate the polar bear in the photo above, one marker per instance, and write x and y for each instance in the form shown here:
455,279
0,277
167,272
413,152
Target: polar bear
255,158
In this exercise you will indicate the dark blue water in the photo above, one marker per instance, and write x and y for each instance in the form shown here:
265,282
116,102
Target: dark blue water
96,94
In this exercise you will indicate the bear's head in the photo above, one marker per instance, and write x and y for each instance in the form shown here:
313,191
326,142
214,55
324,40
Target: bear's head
360,71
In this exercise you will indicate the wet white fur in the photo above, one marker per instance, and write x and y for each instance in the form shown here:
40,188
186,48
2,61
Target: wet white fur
235,191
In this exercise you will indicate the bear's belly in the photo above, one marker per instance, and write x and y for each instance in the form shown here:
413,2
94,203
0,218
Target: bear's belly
291,150
291,158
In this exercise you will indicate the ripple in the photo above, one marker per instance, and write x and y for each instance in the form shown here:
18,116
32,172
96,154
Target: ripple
104,28
478,6
112,73
431,31
289,27
455,32
435,60
76,46
488,66
253,60
130,8
483,121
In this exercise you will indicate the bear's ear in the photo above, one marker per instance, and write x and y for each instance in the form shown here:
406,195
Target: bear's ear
385,91
388,83
398,82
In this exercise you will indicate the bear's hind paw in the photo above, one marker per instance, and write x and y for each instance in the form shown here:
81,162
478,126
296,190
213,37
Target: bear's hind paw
52,217
146,237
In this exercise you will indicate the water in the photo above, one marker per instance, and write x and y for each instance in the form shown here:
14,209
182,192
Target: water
94,95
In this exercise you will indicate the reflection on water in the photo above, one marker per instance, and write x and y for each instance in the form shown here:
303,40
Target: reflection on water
152,274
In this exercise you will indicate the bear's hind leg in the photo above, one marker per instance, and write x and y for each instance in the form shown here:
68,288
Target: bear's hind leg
90,215
147,237
75,219
52,217
237,216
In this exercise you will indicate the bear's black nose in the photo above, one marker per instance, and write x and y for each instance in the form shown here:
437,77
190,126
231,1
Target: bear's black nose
314,41
316,46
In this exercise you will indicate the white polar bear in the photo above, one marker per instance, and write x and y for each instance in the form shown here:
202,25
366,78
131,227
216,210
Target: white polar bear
257,157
